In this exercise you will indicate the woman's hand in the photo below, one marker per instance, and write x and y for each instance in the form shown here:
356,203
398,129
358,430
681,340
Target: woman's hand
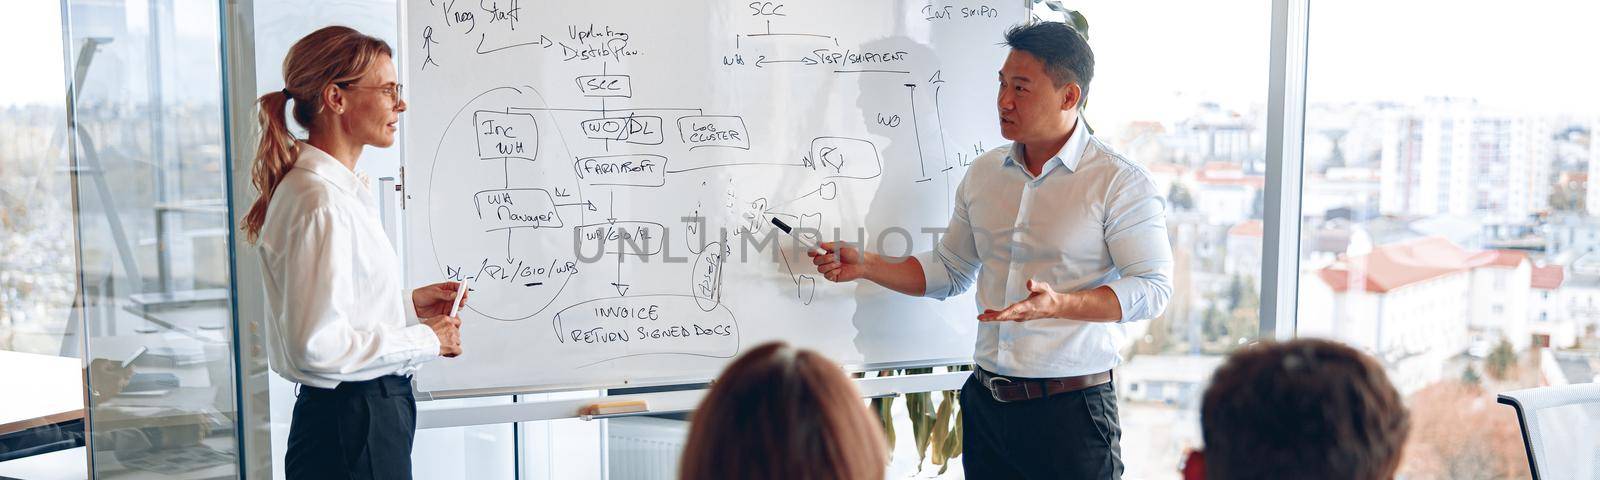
434,300
448,329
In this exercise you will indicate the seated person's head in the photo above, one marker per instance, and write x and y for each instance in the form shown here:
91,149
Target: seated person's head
779,412
1306,409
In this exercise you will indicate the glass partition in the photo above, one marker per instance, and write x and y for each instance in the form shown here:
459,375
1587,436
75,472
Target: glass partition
147,167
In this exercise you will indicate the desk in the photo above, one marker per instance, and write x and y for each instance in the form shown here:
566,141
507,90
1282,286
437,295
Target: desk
41,409
182,432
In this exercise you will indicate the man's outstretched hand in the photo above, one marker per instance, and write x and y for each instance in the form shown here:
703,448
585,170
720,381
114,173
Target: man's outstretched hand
1042,302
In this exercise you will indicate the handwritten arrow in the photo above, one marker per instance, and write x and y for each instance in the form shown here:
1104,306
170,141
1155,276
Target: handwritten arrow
508,246
916,127
761,60
622,288
613,219
588,203
938,116
483,37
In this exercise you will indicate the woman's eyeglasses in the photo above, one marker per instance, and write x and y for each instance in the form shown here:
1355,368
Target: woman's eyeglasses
393,90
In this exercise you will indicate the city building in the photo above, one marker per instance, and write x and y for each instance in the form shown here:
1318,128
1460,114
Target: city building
1455,157
1169,379
1593,201
1417,303
1547,314
1501,287
1227,193
1244,250
1216,134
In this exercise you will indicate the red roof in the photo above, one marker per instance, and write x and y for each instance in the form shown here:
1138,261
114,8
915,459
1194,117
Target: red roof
1219,173
1392,266
1248,228
1502,258
1165,168
1548,277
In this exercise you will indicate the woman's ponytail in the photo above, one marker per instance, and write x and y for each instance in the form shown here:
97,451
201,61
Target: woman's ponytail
275,156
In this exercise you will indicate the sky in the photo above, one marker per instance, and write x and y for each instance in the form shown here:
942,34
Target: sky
1155,57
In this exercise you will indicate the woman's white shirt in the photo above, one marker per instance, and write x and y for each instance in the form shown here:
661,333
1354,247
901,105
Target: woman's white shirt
336,308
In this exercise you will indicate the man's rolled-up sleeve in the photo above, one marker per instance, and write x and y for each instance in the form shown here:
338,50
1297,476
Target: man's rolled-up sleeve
952,266
1136,235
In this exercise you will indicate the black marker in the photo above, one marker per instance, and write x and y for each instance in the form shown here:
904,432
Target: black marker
803,241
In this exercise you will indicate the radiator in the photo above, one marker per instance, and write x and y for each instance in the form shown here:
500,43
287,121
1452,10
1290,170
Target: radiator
645,448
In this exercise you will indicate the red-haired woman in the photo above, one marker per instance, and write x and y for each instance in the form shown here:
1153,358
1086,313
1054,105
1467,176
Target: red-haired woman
338,317
784,413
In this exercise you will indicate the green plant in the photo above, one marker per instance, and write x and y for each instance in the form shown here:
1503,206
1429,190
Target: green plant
936,431
884,407
1078,22
1470,376
1071,17
1500,360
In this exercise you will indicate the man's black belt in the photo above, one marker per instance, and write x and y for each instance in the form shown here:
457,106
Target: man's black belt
1017,389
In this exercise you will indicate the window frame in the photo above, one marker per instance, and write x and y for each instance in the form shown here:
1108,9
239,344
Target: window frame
1286,120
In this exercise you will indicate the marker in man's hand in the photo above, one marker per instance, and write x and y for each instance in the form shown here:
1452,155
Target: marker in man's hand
455,305
803,241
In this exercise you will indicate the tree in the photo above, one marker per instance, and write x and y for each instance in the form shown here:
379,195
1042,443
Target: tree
1438,448
1179,197
1259,205
1243,324
1569,197
1501,360
1242,293
1235,291
1470,376
1245,305
1214,323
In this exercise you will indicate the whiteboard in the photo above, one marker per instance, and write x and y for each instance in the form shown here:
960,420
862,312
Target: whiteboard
602,175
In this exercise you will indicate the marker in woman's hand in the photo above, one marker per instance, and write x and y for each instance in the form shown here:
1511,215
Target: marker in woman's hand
803,241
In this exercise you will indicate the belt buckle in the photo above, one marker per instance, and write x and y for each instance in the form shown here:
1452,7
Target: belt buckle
994,391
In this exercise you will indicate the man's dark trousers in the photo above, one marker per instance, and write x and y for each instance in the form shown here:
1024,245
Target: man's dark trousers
1072,435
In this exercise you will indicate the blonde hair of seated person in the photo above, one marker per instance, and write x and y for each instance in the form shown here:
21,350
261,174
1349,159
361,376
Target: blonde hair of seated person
779,412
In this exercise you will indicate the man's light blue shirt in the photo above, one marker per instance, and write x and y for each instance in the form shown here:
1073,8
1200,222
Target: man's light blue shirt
1090,218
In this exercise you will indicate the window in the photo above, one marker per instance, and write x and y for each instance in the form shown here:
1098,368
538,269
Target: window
36,254
1196,120
40,348
1429,182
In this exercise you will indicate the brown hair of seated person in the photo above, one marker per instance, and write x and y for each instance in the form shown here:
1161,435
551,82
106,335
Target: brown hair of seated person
1304,409
779,412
